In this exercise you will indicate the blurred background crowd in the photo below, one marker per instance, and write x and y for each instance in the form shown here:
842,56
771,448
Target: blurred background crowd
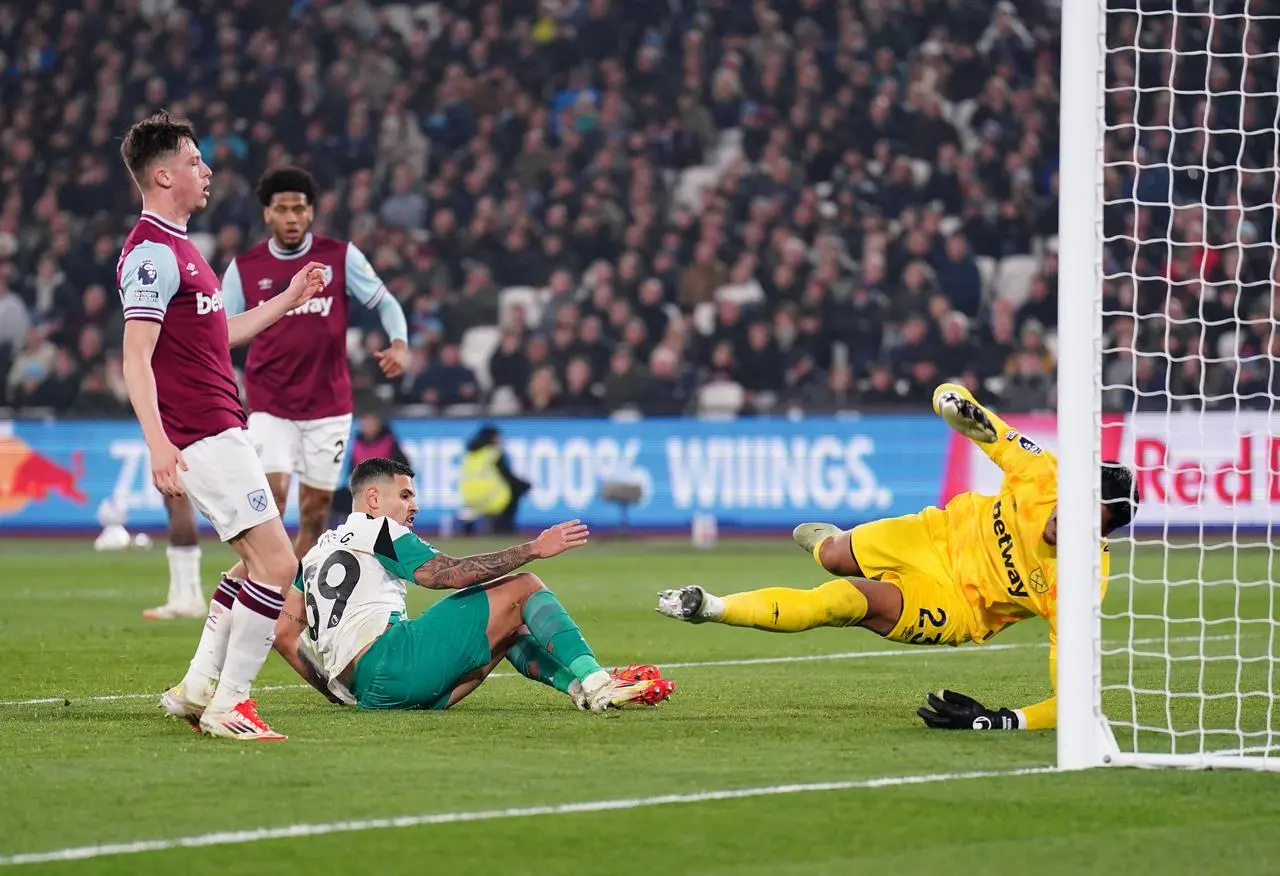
671,206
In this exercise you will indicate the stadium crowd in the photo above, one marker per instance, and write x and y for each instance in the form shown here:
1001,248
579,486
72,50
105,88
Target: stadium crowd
588,205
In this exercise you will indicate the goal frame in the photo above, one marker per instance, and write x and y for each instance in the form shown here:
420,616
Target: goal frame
1084,736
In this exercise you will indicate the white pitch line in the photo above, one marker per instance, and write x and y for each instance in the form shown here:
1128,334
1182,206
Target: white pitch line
747,661
294,831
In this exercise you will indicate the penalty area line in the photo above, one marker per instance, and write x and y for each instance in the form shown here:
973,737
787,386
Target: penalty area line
745,661
294,831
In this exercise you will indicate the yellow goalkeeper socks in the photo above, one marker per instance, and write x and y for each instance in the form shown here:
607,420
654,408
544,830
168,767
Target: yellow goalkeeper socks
837,603
817,551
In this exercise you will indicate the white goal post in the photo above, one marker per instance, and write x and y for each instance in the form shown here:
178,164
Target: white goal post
1169,165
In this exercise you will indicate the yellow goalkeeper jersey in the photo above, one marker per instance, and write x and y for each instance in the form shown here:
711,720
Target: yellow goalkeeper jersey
997,548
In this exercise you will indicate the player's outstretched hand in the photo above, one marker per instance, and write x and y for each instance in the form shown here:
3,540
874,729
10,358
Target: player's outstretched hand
955,711
306,283
560,538
394,359
954,404
165,462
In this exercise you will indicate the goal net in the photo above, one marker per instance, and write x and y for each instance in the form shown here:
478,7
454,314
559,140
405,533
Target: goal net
1169,346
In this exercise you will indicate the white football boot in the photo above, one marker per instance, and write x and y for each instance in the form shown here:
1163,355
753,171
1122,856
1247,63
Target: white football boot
172,611
810,535
241,722
186,703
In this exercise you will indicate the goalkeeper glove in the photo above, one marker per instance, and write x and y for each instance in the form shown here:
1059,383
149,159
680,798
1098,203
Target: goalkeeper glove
955,405
955,711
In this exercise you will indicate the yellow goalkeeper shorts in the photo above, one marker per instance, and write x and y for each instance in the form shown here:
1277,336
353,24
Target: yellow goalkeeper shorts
910,552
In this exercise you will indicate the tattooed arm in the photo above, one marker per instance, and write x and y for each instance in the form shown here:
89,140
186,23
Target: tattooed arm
288,642
443,572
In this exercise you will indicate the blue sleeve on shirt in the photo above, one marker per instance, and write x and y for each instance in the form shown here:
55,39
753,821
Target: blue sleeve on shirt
232,291
364,285
148,281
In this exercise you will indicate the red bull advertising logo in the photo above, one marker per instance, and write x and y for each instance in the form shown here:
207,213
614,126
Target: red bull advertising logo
27,476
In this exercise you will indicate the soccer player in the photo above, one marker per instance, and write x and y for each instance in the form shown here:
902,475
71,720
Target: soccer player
297,376
943,576
177,369
344,629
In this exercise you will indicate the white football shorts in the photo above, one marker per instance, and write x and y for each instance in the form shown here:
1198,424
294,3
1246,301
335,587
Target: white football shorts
226,483
311,449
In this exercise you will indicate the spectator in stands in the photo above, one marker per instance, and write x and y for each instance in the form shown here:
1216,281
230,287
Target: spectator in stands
30,368
509,366
700,280
581,396
475,304
625,384
815,147
957,353
761,371
881,390
837,393
1028,388
15,321
1041,305
959,278
447,382
542,391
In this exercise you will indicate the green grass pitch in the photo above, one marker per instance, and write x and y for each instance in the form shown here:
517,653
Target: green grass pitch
80,771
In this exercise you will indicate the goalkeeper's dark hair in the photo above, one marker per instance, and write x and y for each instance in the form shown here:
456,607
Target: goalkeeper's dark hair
283,179
154,137
375,469
1119,496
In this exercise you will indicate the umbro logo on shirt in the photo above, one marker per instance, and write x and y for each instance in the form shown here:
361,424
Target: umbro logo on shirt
192,269
264,284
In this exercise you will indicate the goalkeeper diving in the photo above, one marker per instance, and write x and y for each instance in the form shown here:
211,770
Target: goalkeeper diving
941,577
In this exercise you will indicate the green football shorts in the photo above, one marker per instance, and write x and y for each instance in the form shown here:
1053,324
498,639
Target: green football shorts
416,663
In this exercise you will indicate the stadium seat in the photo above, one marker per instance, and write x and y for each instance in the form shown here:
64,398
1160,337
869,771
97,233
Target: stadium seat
704,318
527,297
478,346
740,293
727,148
1014,276
504,402
722,398
987,271
692,181
921,170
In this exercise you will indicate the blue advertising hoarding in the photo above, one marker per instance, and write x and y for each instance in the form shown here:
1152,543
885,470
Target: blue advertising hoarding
748,474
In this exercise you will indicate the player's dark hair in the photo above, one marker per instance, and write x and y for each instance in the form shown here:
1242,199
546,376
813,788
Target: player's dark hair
286,179
1119,496
375,469
154,137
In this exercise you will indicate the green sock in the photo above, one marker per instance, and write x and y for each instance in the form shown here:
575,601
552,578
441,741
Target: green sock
532,661
556,632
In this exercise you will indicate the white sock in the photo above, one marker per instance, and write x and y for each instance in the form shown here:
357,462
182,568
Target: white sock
253,630
211,653
184,575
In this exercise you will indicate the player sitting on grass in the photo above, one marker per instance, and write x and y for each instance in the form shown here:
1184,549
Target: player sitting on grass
940,577
344,628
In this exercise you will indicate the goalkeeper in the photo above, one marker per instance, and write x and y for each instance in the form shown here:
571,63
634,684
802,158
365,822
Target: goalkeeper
943,576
